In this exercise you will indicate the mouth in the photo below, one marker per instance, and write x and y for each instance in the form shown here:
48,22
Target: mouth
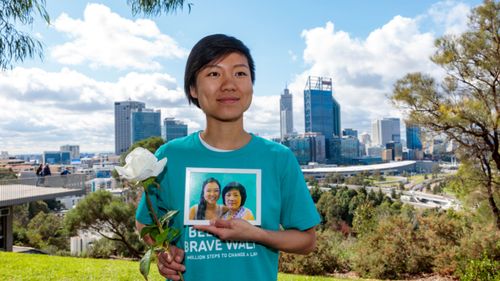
228,100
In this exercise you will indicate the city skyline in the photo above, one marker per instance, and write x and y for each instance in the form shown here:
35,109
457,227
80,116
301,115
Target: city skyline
97,53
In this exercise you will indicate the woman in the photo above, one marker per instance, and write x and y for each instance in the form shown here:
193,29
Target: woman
234,196
218,79
207,208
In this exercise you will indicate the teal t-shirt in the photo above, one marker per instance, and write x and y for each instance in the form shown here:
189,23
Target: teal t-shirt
276,194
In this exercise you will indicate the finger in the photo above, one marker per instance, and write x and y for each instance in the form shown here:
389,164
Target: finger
170,269
178,254
222,223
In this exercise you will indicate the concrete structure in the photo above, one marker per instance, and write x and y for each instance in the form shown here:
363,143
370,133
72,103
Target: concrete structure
20,191
392,167
286,114
173,129
123,125
385,130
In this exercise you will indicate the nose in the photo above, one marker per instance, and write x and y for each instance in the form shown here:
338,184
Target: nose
228,83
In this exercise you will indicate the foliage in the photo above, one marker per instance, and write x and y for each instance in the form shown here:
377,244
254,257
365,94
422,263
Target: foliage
53,268
46,231
6,174
156,7
15,45
102,249
408,244
484,269
465,106
331,255
109,216
316,193
339,205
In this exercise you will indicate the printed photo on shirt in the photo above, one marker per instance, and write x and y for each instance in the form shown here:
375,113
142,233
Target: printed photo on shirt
213,193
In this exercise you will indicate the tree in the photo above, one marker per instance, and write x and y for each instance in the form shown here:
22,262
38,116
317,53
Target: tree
156,8
16,45
109,216
465,106
46,231
7,174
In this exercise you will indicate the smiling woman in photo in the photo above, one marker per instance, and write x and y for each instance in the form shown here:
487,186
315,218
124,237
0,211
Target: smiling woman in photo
207,208
234,196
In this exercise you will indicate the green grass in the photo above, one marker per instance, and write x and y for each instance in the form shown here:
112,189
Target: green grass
15,266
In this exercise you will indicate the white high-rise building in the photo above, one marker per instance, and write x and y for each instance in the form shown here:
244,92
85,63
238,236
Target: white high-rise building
386,130
74,150
123,136
286,114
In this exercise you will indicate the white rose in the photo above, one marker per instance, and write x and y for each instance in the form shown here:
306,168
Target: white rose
141,164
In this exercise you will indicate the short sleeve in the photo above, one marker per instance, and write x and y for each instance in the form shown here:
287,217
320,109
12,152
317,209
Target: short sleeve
297,209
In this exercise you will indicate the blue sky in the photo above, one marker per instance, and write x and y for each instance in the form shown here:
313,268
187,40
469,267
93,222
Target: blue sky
97,53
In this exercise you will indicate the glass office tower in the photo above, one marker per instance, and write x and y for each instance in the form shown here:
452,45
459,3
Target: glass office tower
173,129
321,110
146,123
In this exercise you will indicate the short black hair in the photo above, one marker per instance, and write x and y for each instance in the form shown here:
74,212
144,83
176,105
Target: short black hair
208,49
237,186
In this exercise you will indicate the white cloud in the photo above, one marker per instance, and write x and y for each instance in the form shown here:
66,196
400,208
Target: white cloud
48,109
452,15
364,70
105,39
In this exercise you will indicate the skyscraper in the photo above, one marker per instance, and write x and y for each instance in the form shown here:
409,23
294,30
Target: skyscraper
321,110
413,137
146,123
350,132
123,124
173,129
286,114
74,150
386,130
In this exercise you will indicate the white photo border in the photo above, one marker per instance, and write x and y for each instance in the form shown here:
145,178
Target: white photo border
258,192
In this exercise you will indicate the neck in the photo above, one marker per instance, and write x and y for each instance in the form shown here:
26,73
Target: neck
225,135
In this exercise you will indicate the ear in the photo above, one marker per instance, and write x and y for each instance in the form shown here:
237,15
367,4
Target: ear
193,92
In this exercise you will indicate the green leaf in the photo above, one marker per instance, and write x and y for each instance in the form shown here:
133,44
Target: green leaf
163,237
148,229
145,263
166,218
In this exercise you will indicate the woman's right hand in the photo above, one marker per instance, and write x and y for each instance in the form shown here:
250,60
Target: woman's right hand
171,263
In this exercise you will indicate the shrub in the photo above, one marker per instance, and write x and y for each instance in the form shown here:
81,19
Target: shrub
331,255
485,269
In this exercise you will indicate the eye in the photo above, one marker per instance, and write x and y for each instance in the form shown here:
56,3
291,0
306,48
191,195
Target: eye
241,74
213,74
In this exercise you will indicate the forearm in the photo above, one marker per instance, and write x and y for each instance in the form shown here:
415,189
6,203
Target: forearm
290,241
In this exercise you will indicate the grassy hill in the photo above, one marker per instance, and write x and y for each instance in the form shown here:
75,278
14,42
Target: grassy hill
15,266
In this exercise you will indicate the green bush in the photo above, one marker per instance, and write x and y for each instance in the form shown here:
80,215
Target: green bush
331,255
485,269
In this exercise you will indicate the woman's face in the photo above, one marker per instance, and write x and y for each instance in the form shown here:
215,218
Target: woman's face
212,193
233,199
224,88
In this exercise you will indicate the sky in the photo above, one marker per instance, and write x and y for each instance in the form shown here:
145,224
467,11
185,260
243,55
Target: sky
97,53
